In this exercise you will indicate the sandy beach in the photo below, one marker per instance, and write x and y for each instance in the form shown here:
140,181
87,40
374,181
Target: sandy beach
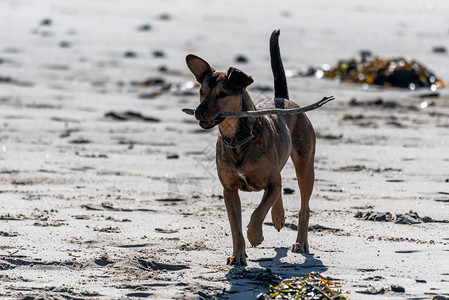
109,191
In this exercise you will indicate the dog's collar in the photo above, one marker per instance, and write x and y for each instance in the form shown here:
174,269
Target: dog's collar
242,142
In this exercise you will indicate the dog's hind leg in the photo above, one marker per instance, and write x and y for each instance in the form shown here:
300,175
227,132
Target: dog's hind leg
278,213
234,210
303,153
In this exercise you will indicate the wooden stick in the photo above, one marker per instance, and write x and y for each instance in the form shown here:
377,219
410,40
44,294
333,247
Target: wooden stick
256,113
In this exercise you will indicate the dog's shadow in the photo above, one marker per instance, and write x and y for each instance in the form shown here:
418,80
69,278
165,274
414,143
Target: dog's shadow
247,283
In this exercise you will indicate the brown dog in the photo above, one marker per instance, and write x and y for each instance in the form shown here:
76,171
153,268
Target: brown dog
252,151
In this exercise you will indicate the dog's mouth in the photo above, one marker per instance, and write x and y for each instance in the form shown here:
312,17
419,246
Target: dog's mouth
212,123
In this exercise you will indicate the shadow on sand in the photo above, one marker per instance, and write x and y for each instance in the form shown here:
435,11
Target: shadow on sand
247,283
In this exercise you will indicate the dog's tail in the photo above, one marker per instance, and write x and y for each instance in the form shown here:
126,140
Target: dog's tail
280,82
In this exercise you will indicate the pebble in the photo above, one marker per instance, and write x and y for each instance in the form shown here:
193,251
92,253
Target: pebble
288,191
144,27
172,156
439,49
130,54
64,44
46,22
241,59
162,69
164,17
397,289
158,53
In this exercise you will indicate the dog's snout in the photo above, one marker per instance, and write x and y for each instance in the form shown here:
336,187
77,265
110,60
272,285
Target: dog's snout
200,112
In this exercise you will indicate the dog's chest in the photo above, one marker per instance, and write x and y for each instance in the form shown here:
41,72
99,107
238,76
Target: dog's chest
242,168
247,182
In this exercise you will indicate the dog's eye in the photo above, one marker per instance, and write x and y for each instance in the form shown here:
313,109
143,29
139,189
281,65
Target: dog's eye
201,92
222,95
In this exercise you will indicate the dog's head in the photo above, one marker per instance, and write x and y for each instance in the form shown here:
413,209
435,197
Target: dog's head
219,91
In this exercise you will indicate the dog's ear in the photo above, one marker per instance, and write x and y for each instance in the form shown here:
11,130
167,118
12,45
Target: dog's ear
238,79
198,66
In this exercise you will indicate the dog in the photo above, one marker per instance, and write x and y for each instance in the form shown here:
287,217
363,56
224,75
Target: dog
251,151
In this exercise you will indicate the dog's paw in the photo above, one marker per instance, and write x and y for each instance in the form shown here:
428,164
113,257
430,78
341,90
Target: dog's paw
255,236
237,260
300,247
278,222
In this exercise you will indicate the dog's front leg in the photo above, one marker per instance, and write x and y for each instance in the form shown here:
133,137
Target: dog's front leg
233,207
255,233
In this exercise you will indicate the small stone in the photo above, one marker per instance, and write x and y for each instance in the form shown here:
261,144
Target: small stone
241,59
164,17
103,261
144,27
64,44
172,156
46,22
158,53
440,297
130,54
80,141
288,191
439,49
397,289
163,69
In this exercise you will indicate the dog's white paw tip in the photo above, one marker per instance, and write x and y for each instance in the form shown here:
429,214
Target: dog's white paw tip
234,261
300,248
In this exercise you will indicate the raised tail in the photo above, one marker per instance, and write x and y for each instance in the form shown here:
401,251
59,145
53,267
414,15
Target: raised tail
280,82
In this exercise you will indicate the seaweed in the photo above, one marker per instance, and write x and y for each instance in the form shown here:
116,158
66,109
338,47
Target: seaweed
312,286
396,72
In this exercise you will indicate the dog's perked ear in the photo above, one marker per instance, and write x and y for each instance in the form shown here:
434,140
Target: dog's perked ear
238,79
199,67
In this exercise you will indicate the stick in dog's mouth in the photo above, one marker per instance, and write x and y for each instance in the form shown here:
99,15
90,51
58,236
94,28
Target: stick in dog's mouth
256,113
